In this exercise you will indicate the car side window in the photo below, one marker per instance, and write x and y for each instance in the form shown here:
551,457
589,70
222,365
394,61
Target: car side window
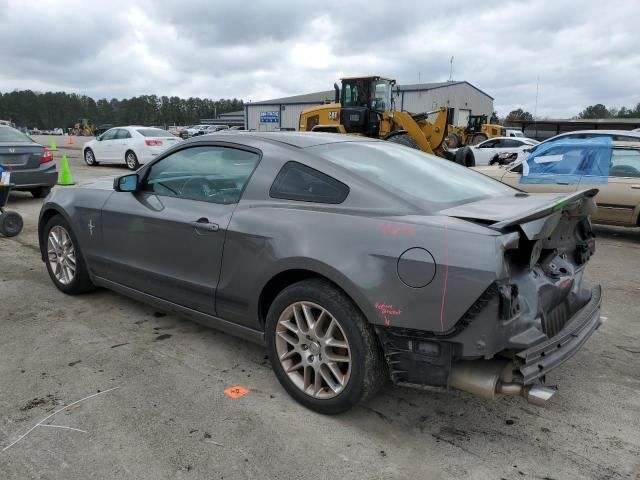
625,163
212,174
510,143
122,134
110,134
489,144
305,184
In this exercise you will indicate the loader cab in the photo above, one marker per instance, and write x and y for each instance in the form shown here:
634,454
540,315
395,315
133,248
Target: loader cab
475,124
363,100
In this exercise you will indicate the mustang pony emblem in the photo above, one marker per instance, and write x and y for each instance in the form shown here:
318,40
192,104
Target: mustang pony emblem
91,227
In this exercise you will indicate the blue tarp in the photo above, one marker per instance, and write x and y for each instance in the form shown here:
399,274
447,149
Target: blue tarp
568,161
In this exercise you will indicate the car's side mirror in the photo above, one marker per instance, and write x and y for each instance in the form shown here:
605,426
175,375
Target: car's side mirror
99,138
126,183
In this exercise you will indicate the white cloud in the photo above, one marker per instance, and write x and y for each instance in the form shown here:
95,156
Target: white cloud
583,52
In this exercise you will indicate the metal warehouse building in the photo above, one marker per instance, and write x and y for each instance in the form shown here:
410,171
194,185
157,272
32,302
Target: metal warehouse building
465,98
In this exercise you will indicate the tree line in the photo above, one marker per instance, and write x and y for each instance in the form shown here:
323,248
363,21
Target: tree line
50,110
592,111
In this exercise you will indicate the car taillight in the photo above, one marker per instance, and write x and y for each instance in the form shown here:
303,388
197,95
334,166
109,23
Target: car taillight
153,143
47,156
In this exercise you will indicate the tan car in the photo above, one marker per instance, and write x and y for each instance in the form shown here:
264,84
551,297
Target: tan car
618,199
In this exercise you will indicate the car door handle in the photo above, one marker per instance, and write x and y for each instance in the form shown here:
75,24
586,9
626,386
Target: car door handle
562,183
205,224
637,187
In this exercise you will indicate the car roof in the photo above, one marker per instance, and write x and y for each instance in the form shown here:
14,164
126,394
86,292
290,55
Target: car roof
622,133
295,139
509,138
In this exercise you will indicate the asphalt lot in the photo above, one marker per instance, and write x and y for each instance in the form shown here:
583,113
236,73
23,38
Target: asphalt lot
168,417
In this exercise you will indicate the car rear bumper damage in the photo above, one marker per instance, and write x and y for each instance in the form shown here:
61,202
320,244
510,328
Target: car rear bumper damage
420,361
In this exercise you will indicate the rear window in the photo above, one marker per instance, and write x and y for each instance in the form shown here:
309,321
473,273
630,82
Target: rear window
154,132
11,135
305,184
411,172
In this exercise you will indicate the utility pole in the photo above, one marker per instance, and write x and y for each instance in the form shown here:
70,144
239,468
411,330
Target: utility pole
451,69
535,108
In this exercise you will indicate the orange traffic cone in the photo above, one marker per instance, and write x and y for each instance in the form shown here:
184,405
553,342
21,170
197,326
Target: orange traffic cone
69,140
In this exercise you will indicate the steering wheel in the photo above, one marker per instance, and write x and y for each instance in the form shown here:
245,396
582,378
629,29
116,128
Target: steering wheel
624,171
196,187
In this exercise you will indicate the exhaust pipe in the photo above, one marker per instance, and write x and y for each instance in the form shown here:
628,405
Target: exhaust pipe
491,378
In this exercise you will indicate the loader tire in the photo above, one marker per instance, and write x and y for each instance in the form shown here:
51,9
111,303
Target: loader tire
464,156
479,137
403,139
453,140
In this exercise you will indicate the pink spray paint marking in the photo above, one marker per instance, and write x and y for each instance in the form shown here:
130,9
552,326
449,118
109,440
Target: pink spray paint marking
387,310
392,229
446,276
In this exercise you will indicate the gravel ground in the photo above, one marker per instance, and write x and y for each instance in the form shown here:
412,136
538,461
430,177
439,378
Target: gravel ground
161,411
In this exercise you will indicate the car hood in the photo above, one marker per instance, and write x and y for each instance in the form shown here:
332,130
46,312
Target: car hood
520,209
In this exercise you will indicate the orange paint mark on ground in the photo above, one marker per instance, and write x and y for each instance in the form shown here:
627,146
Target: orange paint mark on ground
237,391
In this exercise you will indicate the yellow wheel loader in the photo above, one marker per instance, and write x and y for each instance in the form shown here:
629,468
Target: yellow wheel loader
476,131
364,106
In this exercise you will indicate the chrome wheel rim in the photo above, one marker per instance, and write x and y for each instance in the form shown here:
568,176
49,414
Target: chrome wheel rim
313,350
89,158
131,160
61,254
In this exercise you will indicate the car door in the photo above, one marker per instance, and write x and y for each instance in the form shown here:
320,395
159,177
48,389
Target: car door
107,145
100,148
484,151
166,239
121,144
618,199
513,177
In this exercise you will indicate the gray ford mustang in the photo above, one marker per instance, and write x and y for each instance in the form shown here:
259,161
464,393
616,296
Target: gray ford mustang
354,260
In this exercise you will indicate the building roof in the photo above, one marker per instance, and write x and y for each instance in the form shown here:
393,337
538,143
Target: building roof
316,97
329,95
237,113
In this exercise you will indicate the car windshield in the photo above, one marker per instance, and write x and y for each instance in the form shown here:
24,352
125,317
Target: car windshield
11,135
440,183
154,132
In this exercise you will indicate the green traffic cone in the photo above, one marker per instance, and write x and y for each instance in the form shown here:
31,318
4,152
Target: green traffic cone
53,147
65,172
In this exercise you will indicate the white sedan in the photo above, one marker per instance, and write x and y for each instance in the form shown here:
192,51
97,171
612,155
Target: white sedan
133,146
486,153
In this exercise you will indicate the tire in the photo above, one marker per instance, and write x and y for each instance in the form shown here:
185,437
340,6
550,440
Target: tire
453,140
90,158
464,156
79,282
11,223
131,160
362,375
479,137
403,139
40,192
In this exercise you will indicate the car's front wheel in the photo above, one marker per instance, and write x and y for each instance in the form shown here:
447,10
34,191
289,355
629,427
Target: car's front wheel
90,158
64,259
131,160
322,349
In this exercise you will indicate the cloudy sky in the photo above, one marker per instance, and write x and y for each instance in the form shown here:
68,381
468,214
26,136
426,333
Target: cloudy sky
582,51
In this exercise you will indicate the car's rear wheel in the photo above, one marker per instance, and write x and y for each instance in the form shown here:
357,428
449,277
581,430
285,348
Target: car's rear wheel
40,192
90,158
322,349
11,223
64,259
131,160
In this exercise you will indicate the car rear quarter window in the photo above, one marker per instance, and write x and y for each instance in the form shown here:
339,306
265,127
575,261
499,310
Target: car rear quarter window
210,174
296,181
